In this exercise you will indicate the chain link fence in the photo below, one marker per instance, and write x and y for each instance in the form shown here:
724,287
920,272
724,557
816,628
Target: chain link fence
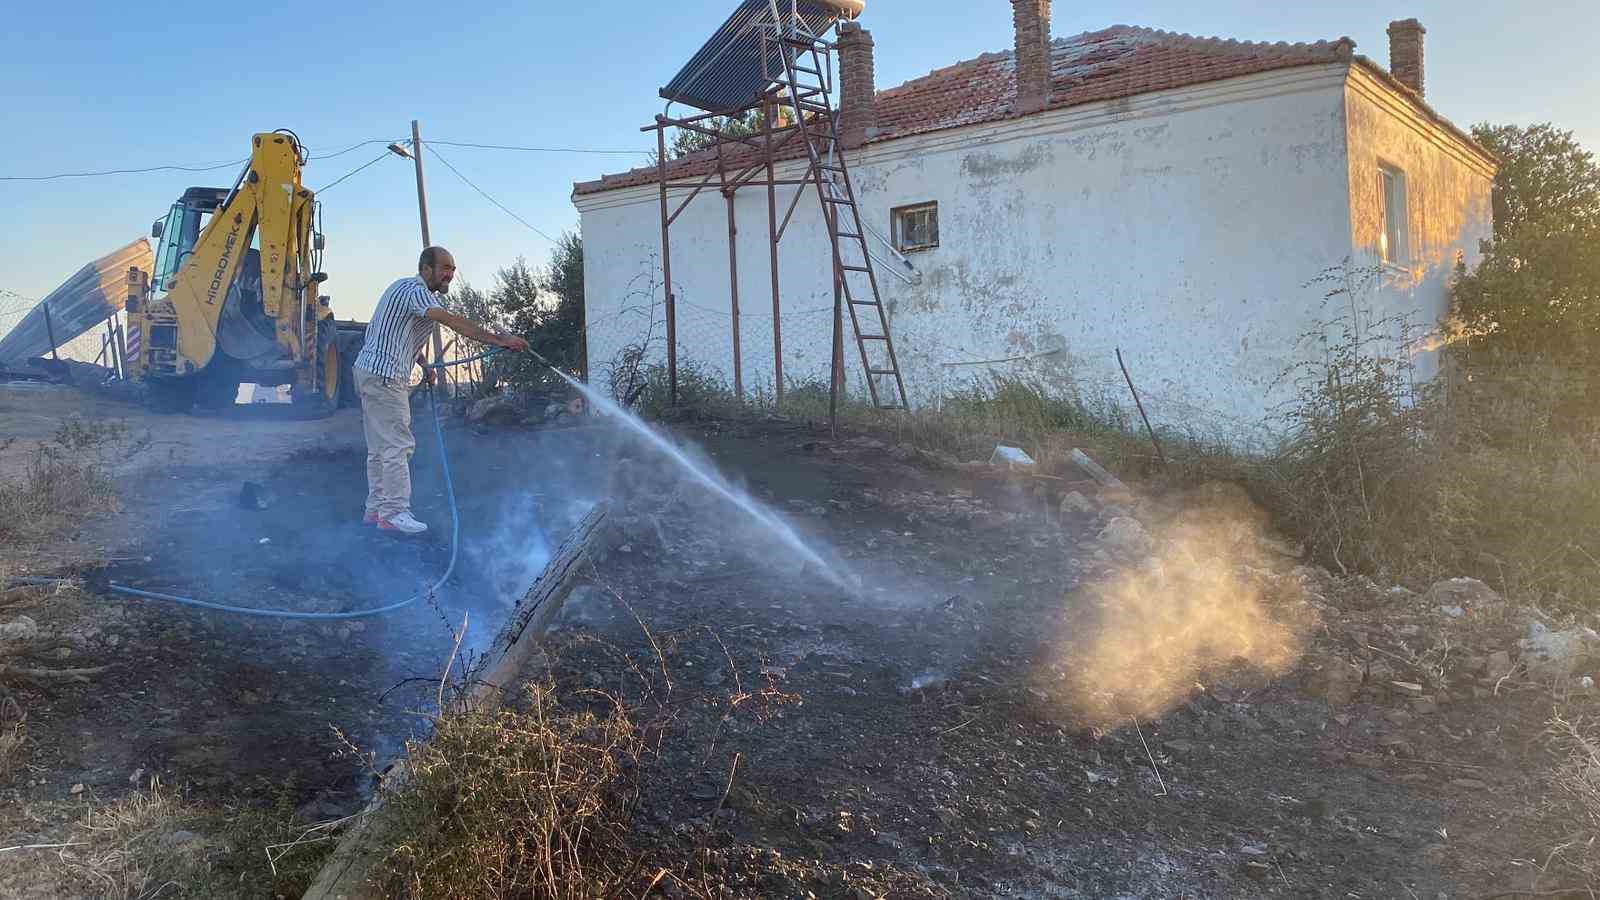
86,347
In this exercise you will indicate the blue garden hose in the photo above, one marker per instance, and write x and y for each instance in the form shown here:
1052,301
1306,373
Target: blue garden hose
455,542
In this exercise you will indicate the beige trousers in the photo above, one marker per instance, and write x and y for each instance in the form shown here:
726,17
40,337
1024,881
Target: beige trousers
386,413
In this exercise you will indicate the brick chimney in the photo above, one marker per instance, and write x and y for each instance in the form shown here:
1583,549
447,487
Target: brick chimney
1405,53
858,103
1031,20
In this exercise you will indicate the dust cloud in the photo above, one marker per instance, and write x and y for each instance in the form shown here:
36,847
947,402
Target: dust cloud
1205,601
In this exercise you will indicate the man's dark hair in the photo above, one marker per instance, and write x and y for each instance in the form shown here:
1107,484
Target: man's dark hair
429,256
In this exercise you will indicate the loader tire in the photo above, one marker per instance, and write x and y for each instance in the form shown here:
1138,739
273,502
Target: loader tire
349,349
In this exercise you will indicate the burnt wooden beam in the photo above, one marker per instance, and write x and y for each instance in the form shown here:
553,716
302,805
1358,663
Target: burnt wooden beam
345,875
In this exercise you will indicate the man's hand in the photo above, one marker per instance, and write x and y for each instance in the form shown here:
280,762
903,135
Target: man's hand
510,342
427,373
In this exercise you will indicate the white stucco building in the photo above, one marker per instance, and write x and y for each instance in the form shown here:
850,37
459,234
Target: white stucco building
1167,195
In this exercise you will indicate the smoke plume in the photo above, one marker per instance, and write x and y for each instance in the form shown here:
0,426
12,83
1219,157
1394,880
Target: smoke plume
1203,601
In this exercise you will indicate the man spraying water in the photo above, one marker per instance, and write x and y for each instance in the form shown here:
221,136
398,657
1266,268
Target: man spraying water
400,327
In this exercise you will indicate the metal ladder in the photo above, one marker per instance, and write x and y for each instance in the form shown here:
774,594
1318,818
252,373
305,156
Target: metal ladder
814,117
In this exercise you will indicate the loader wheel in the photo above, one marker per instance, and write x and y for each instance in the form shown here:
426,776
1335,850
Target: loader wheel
332,375
349,349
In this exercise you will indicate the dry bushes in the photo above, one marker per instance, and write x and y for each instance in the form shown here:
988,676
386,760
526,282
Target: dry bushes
67,478
515,803
154,843
1575,800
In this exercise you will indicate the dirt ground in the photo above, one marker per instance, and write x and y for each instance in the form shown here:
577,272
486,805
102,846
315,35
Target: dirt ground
925,734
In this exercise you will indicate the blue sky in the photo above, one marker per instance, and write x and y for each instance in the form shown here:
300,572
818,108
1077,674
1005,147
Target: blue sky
116,85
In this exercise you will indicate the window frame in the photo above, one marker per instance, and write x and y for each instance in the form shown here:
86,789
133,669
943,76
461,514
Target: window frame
1394,234
897,217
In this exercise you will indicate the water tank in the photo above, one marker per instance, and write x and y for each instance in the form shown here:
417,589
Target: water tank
847,9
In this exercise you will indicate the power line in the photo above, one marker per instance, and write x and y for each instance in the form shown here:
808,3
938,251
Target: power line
373,161
350,148
535,149
226,165
485,194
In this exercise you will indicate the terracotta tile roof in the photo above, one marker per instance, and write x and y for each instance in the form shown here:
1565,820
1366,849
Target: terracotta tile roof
1121,61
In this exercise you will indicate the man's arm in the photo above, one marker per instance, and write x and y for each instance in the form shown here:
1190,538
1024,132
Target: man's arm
470,329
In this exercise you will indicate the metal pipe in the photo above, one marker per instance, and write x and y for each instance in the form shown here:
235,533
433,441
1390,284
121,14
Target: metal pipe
810,168
666,263
733,295
772,249
50,331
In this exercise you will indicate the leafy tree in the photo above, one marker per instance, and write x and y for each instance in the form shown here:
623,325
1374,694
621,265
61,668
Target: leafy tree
545,306
1537,289
1546,179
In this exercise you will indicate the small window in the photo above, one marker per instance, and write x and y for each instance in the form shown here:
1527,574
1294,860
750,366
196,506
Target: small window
1394,244
915,227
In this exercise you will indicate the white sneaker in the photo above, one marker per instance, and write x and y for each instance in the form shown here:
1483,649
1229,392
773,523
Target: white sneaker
403,522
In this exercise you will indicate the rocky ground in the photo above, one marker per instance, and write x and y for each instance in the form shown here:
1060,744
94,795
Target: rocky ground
1022,686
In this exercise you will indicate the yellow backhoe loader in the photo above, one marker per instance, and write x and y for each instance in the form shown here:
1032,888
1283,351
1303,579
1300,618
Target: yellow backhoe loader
235,294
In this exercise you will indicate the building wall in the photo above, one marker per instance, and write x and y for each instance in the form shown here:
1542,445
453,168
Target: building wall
1449,212
1182,227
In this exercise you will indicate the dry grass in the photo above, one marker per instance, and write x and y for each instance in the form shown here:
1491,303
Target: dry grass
1574,802
66,479
1487,473
15,746
154,843
530,802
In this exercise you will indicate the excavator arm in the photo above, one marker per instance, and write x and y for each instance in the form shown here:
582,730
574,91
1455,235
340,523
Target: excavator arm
269,206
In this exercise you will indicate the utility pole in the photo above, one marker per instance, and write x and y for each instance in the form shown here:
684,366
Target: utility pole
422,210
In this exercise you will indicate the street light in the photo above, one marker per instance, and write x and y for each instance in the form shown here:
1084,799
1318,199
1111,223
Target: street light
400,151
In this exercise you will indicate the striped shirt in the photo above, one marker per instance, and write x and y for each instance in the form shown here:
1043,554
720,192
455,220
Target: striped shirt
398,330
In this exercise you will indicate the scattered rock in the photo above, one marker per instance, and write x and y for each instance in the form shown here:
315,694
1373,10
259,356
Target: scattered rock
1547,652
1469,783
903,452
500,409
21,628
1424,706
1075,503
1498,665
1467,593
77,789
1180,747
1126,536
1453,612
1333,680
1257,870
1010,457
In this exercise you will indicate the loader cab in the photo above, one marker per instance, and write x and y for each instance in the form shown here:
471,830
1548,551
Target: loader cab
178,231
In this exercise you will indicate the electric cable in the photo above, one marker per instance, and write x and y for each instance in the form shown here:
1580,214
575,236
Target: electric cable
374,161
350,149
591,150
440,157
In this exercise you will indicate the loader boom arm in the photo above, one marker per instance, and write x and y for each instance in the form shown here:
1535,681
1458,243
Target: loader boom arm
270,207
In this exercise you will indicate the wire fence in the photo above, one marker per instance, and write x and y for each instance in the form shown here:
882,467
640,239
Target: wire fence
86,347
